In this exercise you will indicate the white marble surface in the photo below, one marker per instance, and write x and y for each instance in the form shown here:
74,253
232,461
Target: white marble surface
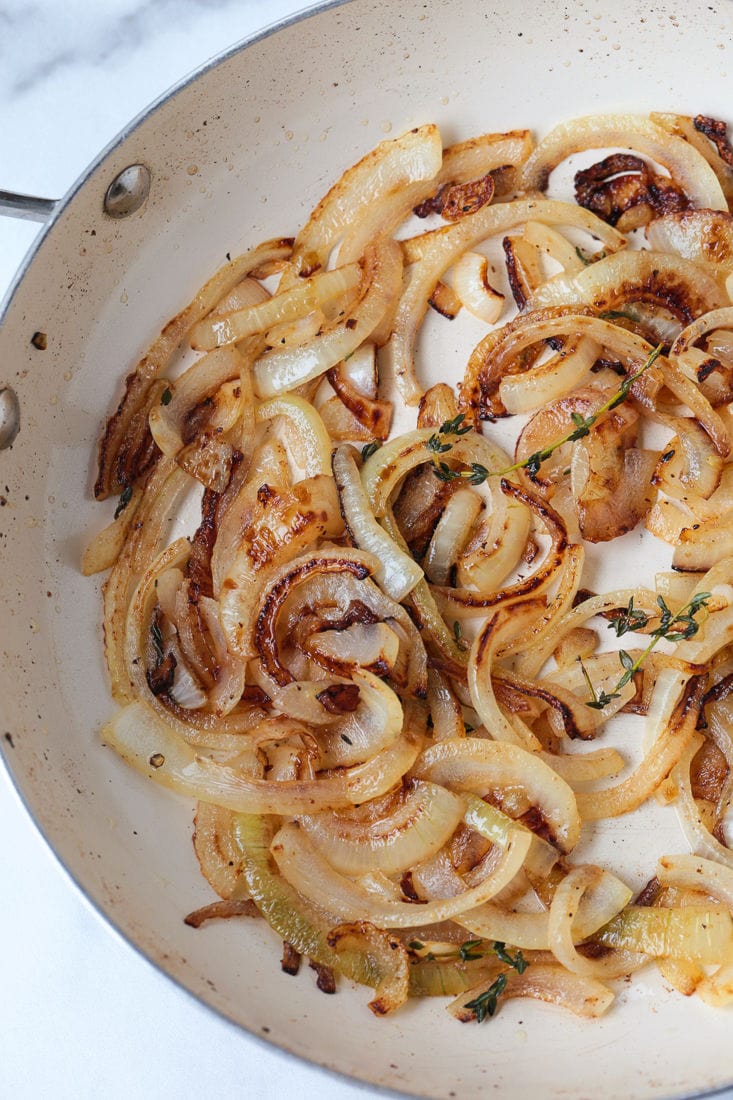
81,1014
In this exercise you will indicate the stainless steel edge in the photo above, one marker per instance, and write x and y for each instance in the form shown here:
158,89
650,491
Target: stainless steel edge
28,208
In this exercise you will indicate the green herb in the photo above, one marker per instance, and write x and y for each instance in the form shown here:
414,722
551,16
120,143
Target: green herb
673,628
124,500
437,446
458,635
346,739
166,395
415,945
598,700
455,426
468,952
519,963
476,474
486,1003
582,256
370,448
629,620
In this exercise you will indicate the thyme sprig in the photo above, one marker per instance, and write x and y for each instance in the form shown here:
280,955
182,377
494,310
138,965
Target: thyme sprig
476,474
487,1002
672,627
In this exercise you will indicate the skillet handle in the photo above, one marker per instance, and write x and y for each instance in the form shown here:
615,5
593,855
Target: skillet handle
26,207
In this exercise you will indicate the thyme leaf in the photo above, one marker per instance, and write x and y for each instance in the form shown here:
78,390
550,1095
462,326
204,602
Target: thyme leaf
486,1003
125,498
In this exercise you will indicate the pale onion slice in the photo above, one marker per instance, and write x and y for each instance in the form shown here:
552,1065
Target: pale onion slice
451,533
665,752
690,465
160,353
152,747
532,643
550,380
373,646
440,249
693,333
697,835
462,163
502,624
556,246
479,766
471,284
445,710
308,439
106,546
702,543
694,933
684,164
497,827
289,305
397,572
563,909
688,394
415,824
387,954
603,898
219,856
371,962
694,872
678,285
394,165
584,997
362,733
197,383
703,236
278,371
313,877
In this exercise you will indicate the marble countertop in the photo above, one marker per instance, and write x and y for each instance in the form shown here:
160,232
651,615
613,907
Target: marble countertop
82,1015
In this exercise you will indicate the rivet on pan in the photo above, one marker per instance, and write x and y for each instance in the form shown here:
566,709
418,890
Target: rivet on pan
127,191
9,417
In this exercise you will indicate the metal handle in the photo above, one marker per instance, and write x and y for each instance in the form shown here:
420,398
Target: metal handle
27,207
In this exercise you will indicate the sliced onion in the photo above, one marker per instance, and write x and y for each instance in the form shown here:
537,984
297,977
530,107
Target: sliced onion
696,933
551,380
451,534
563,909
480,766
703,236
415,824
104,549
281,525
312,876
308,438
154,362
141,738
666,751
685,165
288,305
584,997
387,953
441,248
388,170
278,371
678,285
471,284
397,573
219,856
